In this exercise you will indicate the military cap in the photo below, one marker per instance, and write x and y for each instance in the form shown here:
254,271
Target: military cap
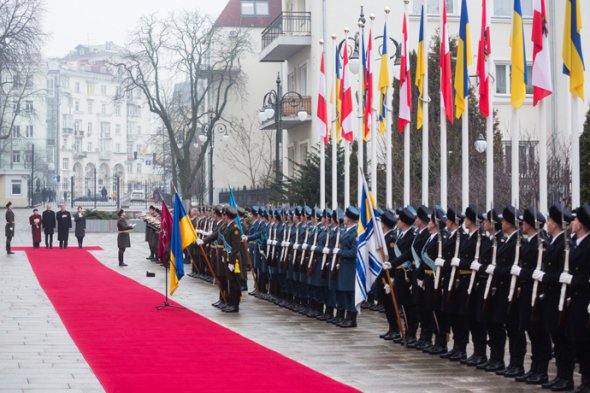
379,211
264,213
455,216
298,211
559,213
152,207
327,212
408,215
529,217
474,213
583,215
318,212
218,210
494,215
308,212
511,215
254,210
231,212
241,211
424,213
389,219
118,213
399,210
352,213
438,214
277,213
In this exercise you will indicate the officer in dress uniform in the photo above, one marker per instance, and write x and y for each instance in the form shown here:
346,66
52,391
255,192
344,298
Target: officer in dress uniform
388,223
401,264
216,256
305,241
319,284
332,270
291,240
347,267
578,281
422,218
252,236
529,319
548,278
232,242
9,227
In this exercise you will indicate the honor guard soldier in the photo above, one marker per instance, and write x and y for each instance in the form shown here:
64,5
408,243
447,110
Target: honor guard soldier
316,282
529,320
332,269
347,267
232,248
578,281
216,255
292,240
254,233
388,223
9,227
548,279
422,218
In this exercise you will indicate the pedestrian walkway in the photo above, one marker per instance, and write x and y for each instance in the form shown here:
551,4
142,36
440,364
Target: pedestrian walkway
37,354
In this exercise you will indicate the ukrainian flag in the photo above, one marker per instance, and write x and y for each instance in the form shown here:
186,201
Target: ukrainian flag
383,82
335,98
420,70
183,235
573,60
518,58
464,60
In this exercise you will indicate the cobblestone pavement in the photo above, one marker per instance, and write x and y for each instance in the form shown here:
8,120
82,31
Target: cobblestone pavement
38,355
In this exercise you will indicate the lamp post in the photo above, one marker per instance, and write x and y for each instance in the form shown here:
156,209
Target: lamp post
32,171
208,134
272,105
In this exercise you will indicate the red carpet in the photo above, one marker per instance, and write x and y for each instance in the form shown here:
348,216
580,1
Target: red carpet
132,347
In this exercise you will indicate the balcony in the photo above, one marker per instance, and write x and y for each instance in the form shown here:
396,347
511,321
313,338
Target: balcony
285,36
79,134
105,135
79,155
67,130
289,119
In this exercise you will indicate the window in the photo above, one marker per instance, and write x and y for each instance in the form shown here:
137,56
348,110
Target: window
65,82
105,129
139,168
16,156
28,106
16,187
89,128
117,148
433,7
117,109
65,164
255,8
303,80
303,152
503,79
90,106
89,88
89,147
77,87
129,168
76,106
504,8
103,109
103,90
117,130
27,156
16,132
29,131
148,162
78,146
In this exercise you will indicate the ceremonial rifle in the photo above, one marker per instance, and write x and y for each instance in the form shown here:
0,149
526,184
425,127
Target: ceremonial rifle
475,259
334,264
285,250
493,263
324,255
566,262
439,255
539,260
302,259
515,263
312,255
454,268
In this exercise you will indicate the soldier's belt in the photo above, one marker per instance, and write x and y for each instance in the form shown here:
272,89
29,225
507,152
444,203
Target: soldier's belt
465,272
221,247
429,272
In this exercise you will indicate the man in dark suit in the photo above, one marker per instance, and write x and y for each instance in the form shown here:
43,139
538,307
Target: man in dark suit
64,223
578,280
48,226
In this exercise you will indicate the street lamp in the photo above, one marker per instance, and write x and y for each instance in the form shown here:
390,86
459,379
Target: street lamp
480,144
272,105
208,134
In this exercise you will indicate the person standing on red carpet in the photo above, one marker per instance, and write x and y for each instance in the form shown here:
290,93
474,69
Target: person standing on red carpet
80,230
9,228
64,223
48,226
123,240
36,221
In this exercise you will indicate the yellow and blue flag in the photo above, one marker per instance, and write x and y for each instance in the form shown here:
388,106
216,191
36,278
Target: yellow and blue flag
232,203
183,235
384,82
420,70
519,77
464,60
573,60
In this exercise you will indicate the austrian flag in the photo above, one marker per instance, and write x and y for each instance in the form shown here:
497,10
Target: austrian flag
542,86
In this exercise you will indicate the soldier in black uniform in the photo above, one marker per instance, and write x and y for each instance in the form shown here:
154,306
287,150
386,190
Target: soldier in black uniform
422,219
388,222
548,278
578,280
9,227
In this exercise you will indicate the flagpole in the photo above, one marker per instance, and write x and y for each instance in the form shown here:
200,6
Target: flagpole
346,150
465,153
335,139
374,132
575,153
388,147
543,203
443,155
490,149
515,154
424,103
360,154
322,145
406,137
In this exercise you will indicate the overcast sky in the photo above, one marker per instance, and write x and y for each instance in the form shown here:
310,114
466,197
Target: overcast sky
72,22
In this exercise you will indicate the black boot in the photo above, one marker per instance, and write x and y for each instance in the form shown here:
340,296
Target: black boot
339,318
350,321
8,250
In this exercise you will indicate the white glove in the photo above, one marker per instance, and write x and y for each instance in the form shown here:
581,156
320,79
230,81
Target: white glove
325,250
387,265
336,250
490,269
200,242
269,242
455,262
515,270
274,242
296,246
231,267
313,248
284,244
244,238
387,289
439,262
475,266
566,278
538,275
420,283
304,246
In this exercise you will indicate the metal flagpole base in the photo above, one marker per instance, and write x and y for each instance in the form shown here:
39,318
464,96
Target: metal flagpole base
166,304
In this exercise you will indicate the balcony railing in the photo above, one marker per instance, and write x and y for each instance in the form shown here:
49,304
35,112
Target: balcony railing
287,23
292,106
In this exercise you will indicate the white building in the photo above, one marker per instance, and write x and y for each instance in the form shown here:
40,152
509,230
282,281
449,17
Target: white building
97,132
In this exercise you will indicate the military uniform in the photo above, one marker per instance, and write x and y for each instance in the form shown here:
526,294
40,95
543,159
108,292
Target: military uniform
347,269
233,265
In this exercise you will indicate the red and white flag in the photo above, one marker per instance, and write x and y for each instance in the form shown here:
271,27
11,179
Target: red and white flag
368,90
484,54
322,112
405,83
446,76
542,86
346,97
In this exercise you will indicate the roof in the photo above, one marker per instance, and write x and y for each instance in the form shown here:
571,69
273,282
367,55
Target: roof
231,16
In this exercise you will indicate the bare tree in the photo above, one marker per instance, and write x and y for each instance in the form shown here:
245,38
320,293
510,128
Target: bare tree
186,69
248,152
20,40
